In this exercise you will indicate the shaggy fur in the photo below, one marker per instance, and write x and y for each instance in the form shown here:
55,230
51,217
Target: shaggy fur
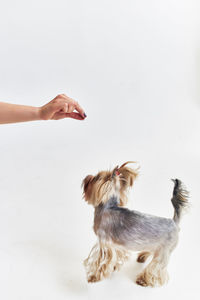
120,230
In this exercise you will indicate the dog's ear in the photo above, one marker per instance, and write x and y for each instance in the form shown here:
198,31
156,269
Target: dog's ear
129,175
86,186
132,175
127,178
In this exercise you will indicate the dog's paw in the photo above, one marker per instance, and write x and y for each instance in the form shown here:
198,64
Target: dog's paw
141,281
93,278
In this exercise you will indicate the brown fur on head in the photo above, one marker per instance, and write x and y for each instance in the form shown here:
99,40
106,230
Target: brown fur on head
98,189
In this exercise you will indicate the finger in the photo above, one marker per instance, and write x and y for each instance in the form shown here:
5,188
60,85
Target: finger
70,109
80,110
75,115
64,98
64,107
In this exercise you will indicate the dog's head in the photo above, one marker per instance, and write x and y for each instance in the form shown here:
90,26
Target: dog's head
99,188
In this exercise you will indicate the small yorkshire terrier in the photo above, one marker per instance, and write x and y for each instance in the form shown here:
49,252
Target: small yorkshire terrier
120,230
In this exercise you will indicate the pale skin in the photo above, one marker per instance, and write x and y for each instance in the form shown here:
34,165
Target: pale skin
60,107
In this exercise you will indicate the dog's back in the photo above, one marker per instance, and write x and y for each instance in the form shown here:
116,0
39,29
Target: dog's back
132,229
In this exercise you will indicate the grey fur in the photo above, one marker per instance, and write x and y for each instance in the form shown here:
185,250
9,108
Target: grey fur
138,231
132,229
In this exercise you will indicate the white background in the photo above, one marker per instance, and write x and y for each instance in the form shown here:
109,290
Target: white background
134,67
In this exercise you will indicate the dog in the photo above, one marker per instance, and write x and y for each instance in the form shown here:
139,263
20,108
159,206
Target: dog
120,230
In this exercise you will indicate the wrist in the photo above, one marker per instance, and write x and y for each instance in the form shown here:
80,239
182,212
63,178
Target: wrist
37,113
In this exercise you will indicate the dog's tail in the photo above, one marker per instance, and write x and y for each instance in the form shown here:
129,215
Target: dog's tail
179,200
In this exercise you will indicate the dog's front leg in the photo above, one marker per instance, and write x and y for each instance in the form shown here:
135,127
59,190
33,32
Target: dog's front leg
103,259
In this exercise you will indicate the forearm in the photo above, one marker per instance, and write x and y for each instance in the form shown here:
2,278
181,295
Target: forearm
13,113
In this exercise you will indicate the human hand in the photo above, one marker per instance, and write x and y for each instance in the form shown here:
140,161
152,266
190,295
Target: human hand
61,107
